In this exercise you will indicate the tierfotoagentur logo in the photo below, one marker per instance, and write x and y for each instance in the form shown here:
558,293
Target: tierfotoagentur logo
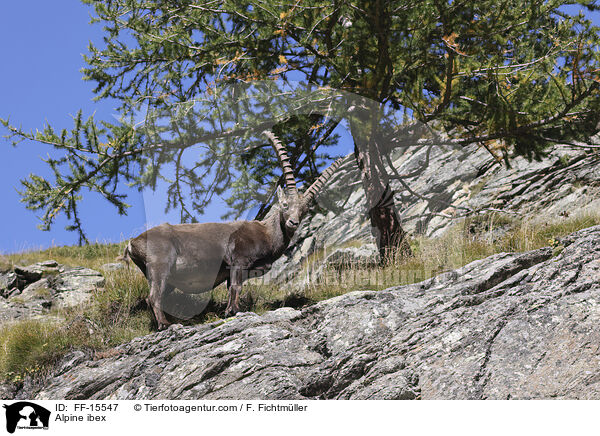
26,415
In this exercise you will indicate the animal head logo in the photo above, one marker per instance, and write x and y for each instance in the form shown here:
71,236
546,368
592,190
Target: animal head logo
24,414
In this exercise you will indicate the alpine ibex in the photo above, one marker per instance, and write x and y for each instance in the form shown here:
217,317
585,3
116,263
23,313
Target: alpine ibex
196,258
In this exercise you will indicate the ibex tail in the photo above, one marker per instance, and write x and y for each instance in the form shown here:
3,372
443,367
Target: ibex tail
125,256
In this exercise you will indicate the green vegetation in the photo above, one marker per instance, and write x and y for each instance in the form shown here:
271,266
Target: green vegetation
29,347
113,316
565,159
91,256
117,313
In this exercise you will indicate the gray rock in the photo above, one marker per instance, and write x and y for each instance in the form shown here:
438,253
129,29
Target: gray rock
8,281
15,309
304,250
513,325
39,290
363,257
308,245
75,285
22,276
48,264
7,390
13,292
61,287
28,274
112,266
38,270
78,278
456,183
366,256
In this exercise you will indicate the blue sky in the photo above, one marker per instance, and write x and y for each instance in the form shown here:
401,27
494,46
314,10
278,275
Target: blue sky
41,43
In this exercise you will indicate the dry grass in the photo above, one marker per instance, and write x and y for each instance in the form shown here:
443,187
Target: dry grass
90,256
473,239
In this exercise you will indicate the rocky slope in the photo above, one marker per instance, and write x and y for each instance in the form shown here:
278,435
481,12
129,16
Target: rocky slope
452,184
509,326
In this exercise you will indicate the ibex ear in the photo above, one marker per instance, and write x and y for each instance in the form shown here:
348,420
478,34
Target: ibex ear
280,194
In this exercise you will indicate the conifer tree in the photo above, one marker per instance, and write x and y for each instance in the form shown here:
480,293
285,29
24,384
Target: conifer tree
511,75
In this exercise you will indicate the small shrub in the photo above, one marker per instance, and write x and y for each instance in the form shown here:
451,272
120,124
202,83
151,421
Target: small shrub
564,160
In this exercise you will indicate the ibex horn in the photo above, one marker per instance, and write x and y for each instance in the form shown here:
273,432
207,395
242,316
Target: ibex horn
318,184
284,162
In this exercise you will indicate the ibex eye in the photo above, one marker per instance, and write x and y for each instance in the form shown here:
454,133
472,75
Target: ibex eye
285,205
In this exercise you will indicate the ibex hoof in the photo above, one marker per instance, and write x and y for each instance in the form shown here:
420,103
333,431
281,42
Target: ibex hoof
231,311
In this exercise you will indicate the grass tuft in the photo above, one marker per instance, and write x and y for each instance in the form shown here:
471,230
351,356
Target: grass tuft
31,347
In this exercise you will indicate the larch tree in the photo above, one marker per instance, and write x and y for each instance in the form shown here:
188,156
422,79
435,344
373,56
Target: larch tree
511,75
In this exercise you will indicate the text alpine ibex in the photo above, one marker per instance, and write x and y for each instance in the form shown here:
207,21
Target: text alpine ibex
196,258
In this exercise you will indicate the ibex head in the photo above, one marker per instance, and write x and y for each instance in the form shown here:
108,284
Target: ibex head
291,209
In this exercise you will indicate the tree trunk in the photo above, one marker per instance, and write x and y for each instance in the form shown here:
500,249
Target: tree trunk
386,227
385,222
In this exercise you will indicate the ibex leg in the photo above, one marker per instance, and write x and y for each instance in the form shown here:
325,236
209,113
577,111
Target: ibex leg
234,285
158,286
